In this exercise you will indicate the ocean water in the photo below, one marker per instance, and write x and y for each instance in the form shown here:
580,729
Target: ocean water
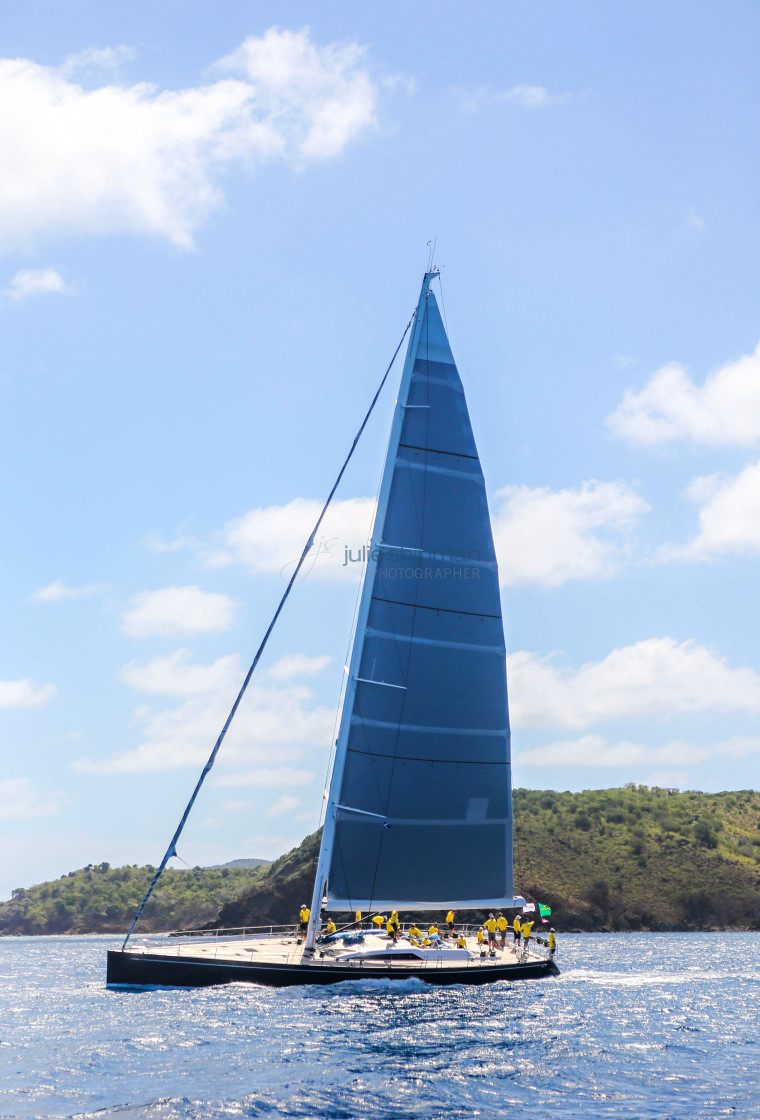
637,1025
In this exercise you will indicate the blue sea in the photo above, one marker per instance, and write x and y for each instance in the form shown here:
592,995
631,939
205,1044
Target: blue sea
636,1025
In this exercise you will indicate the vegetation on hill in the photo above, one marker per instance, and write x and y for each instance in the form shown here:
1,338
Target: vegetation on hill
632,858
103,899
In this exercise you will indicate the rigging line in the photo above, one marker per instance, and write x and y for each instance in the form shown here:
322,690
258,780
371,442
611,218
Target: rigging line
172,849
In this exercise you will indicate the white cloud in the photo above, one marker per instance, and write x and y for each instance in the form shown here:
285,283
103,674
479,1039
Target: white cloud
97,58
58,592
551,536
173,675
25,693
267,778
595,750
729,517
34,282
725,410
471,100
120,158
271,539
177,611
20,801
654,677
276,722
284,804
298,665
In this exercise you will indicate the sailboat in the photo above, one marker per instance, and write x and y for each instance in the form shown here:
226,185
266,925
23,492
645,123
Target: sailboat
419,809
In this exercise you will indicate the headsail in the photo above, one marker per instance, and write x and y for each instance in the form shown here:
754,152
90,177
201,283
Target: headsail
420,805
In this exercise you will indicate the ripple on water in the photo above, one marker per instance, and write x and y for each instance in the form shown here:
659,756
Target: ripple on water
637,1025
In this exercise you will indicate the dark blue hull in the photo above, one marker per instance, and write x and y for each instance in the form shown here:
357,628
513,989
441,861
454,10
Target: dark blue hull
140,970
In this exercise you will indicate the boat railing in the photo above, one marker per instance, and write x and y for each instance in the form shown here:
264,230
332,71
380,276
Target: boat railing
538,946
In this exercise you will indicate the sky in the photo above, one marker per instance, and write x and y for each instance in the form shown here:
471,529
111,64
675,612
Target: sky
213,228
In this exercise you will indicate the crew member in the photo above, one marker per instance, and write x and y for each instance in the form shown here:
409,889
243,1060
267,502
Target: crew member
501,925
490,927
481,935
394,925
330,928
303,918
378,921
552,944
450,922
461,941
525,930
516,927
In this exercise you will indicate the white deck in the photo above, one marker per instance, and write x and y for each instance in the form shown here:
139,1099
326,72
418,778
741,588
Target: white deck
268,949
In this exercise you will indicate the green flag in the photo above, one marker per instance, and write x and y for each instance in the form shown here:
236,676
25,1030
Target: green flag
544,911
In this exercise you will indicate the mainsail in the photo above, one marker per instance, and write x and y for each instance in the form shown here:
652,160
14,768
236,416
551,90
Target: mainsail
419,812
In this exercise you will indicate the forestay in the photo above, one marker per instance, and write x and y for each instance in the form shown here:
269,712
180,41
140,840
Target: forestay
420,805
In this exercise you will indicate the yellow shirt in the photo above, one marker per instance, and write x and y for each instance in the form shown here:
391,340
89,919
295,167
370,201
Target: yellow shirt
378,920
552,941
490,925
358,916
304,915
330,927
527,927
516,925
461,943
501,922
480,936
434,929
414,932
450,916
389,926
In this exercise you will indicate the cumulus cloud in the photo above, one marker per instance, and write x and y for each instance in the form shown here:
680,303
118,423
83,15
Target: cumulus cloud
472,99
276,721
596,750
174,675
725,410
25,693
298,665
284,804
58,592
729,516
268,778
34,282
271,539
654,677
551,536
176,611
19,800
120,158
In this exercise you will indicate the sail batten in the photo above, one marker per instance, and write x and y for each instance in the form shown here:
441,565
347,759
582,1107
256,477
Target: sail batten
425,763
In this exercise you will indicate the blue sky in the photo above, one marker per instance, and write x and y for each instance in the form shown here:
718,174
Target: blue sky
213,226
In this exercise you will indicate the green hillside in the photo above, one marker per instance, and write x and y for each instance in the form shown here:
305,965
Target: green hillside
104,899
632,858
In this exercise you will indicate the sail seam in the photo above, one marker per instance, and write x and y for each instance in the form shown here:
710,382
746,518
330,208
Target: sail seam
424,607
438,451
441,761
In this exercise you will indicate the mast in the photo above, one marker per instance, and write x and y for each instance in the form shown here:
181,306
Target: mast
328,832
